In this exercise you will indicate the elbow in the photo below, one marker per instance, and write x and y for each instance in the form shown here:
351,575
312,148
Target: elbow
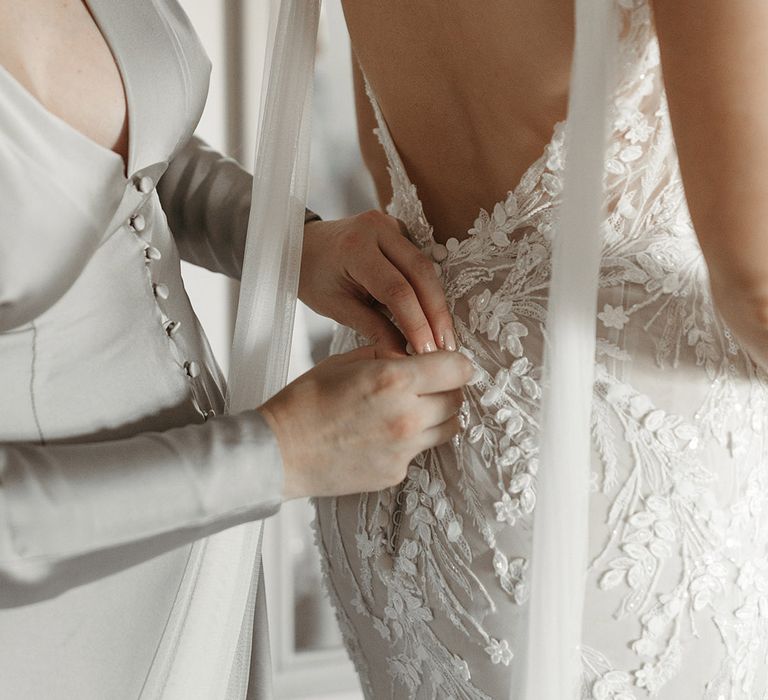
748,299
23,580
744,310
28,579
21,573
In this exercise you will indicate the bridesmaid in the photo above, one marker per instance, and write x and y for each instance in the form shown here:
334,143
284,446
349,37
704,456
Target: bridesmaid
114,453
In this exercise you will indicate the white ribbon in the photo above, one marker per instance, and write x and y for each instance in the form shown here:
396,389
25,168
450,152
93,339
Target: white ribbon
208,633
269,284
561,520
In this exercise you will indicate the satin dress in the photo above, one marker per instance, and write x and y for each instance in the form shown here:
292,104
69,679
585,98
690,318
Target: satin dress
114,451
431,579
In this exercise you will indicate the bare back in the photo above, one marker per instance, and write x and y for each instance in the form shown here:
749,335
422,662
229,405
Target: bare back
431,579
470,95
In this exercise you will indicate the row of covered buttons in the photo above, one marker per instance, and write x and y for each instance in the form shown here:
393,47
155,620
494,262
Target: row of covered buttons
144,184
138,224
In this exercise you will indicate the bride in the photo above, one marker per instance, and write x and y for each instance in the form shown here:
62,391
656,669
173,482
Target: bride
431,579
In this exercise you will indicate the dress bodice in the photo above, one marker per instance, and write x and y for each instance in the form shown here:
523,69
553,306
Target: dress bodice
90,280
439,566
112,461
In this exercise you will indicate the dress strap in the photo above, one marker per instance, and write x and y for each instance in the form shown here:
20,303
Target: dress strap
397,169
405,204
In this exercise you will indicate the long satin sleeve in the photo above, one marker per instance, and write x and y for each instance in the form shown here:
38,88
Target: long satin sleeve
206,198
120,502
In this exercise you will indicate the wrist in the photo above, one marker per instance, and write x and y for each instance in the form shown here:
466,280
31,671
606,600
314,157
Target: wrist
291,487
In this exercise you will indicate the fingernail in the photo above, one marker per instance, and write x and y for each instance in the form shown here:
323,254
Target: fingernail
429,348
449,340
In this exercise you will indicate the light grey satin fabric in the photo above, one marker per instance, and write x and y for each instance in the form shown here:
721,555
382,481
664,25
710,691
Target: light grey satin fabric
114,451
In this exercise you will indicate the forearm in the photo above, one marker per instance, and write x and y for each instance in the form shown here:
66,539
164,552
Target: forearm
158,490
714,56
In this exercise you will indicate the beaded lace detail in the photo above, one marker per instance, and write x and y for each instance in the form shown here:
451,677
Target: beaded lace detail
678,581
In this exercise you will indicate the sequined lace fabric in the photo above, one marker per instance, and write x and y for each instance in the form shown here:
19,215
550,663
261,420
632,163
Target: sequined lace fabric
430,579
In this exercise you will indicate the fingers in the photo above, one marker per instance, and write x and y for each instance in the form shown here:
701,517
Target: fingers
385,283
420,273
367,352
435,409
439,371
375,326
440,433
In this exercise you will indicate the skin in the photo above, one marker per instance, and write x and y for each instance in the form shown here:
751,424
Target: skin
376,416
471,99
714,56
54,49
375,267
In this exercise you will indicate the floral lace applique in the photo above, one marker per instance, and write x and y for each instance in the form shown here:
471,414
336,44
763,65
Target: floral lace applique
680,477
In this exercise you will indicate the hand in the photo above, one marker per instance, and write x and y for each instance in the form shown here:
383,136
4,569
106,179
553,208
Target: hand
353,423
350,264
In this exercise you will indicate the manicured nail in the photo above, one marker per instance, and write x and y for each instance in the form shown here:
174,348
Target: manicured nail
449,340
429,348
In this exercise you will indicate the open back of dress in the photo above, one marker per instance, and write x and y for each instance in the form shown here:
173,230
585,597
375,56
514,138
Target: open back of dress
444,585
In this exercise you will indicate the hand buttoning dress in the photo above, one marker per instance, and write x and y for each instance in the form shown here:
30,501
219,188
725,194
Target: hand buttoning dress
430,579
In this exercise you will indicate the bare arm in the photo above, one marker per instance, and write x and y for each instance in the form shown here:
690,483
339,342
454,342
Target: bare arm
714,55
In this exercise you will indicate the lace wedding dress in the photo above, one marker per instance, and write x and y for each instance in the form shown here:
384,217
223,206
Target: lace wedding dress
430,579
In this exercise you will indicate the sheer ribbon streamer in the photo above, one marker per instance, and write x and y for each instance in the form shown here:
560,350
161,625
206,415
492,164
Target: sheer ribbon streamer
206,648
561,519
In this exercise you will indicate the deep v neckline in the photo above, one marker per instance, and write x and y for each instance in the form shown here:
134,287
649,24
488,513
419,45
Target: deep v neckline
425,237
126,164
130,122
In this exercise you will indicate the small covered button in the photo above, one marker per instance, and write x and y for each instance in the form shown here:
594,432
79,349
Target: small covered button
152,253
192,369
171,327
208,413
439,252
145,184
138,223
160,290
